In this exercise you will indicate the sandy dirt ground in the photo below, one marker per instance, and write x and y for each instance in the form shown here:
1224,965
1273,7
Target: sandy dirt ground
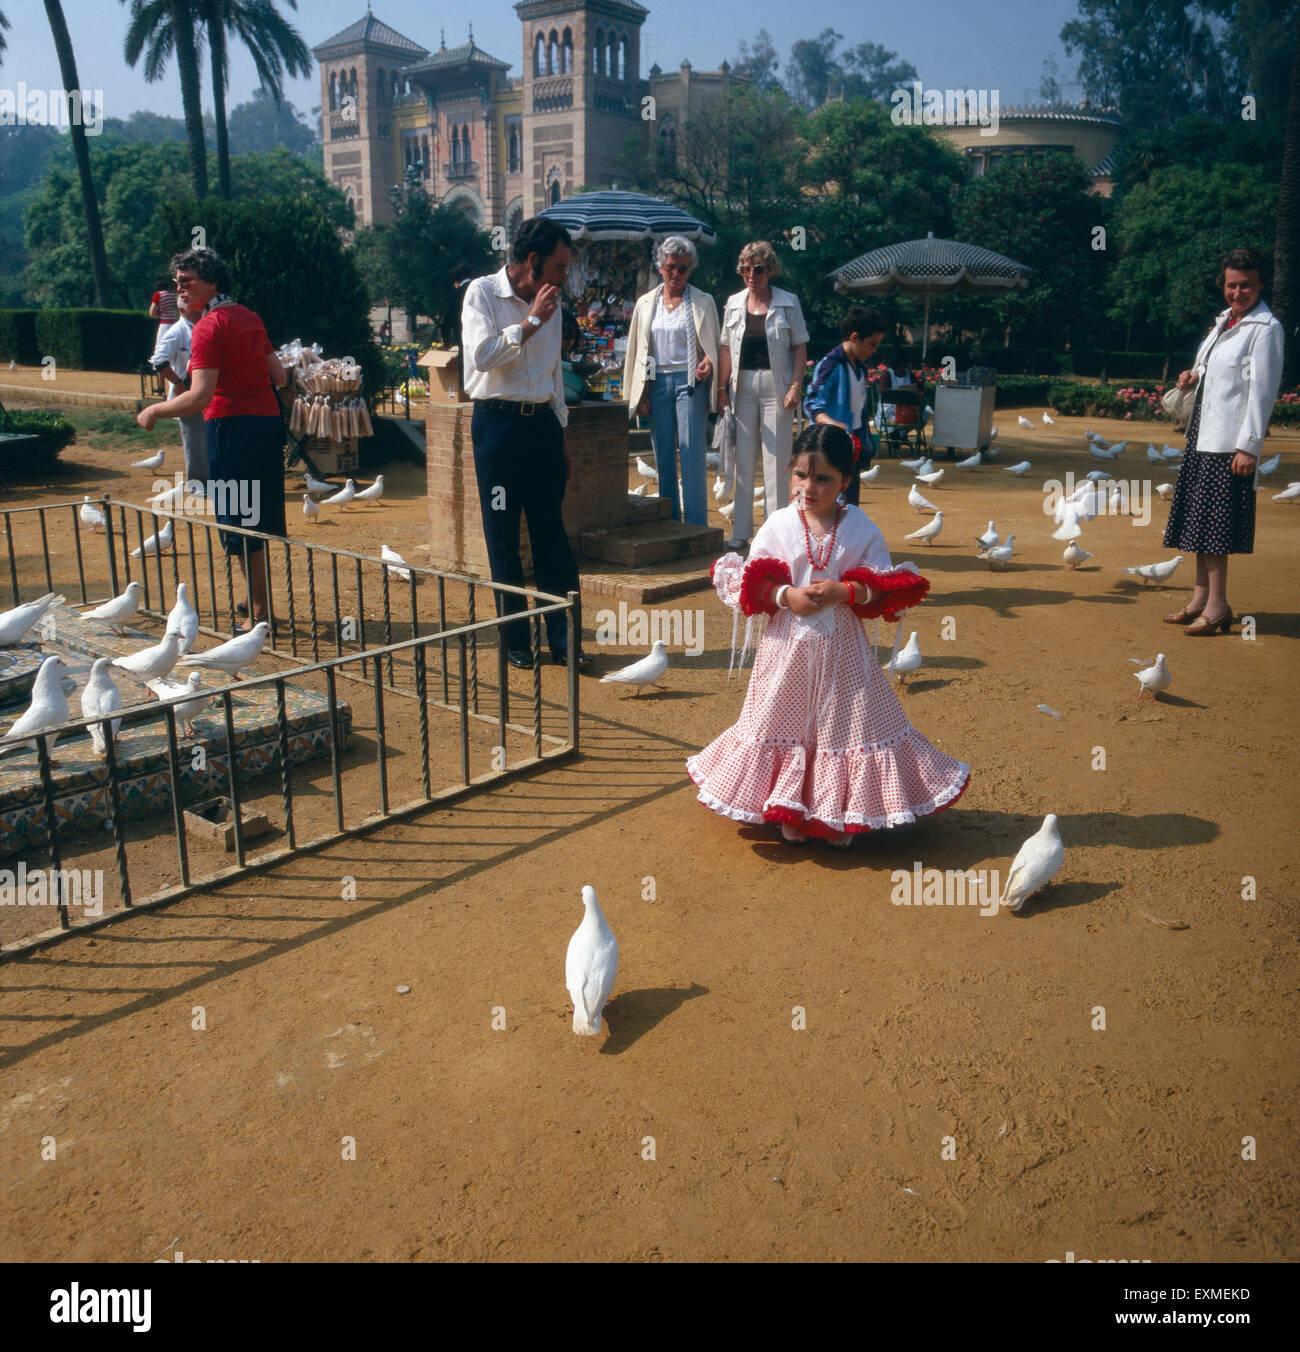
950,1092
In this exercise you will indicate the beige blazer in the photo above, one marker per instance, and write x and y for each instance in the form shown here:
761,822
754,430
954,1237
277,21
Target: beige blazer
705,313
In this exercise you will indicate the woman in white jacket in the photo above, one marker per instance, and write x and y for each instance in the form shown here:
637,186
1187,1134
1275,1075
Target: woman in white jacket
1237,372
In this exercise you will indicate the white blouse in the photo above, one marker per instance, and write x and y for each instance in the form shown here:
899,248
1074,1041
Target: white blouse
668,338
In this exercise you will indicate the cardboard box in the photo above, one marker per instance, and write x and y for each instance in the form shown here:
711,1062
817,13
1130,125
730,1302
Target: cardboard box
443,365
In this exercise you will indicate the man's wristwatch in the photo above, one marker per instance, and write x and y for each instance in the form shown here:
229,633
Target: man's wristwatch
534,321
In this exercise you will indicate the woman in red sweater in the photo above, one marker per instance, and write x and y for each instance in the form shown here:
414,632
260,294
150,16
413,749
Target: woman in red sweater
233,369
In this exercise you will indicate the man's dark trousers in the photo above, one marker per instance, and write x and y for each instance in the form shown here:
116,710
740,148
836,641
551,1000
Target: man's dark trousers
519,461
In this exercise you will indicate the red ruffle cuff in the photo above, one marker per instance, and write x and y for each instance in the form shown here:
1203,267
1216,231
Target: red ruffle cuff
895,592
760,574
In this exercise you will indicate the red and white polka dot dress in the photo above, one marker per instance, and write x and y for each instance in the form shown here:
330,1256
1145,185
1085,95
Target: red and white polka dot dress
822,741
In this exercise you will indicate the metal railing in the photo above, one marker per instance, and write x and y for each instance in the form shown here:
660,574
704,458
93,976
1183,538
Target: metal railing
424,647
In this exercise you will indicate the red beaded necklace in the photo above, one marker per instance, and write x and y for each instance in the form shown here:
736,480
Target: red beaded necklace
819,559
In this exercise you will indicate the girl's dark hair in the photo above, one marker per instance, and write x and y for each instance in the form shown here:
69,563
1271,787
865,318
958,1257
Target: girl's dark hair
208,264
831,440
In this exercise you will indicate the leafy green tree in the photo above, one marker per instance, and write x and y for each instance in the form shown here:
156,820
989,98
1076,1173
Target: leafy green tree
758,63
1257,46
869,71
1286,251
1199,142
4,23
264,124
143,125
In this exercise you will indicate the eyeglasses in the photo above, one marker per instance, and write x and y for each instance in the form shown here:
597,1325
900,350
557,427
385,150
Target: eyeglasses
675,267
183,282
756,268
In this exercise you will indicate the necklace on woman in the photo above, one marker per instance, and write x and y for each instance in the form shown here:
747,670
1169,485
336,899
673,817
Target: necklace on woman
819,555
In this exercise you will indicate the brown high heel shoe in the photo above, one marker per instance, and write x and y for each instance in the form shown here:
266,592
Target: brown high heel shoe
1203,627
1183,616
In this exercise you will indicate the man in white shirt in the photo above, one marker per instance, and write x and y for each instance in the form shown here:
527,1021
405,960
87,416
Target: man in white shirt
510,355
171,359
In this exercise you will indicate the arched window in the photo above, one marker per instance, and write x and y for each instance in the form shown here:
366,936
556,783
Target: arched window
566,51
334,91
622,57
555,193
598,53
553,54
611,57
396,91
352,82
539,56
381,86
668,139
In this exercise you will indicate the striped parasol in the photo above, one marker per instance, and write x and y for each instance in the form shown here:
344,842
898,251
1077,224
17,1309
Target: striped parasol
616,215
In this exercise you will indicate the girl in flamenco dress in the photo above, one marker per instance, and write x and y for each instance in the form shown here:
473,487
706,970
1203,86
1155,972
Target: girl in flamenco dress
822,745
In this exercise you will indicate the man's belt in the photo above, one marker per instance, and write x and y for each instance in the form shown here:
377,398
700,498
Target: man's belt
525,409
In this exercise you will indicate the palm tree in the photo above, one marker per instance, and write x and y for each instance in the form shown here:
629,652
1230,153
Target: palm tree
1286,247
81,152
276,47
4,23
159,27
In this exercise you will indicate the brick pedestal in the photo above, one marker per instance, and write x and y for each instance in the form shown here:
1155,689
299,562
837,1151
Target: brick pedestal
596,497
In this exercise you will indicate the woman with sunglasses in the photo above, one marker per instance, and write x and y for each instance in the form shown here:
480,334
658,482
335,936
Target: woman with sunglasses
760,373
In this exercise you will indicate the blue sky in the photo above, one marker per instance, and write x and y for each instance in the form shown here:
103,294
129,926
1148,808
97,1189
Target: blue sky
990,44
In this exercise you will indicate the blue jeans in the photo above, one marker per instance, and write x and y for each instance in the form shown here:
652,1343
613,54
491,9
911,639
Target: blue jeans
679,418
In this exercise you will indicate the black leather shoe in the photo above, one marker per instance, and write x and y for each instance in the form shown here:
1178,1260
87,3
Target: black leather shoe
561,660
520,657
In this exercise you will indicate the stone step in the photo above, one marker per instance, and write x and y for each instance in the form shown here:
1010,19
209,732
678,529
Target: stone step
640,544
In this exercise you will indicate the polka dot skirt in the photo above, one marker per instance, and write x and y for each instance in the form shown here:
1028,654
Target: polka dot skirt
1213,509
822,740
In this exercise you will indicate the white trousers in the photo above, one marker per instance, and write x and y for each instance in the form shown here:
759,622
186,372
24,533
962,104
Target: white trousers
760,421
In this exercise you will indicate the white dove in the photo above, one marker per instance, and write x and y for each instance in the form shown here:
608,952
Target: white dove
1171,453
170,499
183,619
646,471
642,673
395,563
1097,475
101,696
1156,572
719,488
233,655
1154,678
1118,447
1089,434
1269,465
913,464
318,487
988,539
868,476
1164,490
970,462
343,496
49,707
157,660
153,462
1288,494
638,492
1075,554
16,622
191,708
90,514
590,966
156,544
310,509
1118,504
1000,555
119,609
907,660
728,511
1037,862
929,531
930,479
1024,422
920,503
1048,419
1018,469
993,433
1102,455
1153,454
929,411
1069,528
373,493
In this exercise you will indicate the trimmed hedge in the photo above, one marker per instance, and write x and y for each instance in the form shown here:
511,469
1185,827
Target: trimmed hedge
18,337
1042,361
53,429
95,340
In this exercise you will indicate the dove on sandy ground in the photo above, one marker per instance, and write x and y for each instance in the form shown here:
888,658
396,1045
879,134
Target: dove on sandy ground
309,509
1069,528
1156,572
921,503
1037,862
646,471
395,563
1269,465
991,452
728,510
913,464
930,531
988,539
638,492
233,655
993,433
173,499
1153,454
644,672
1024,422
343,496
153,462
1118,504
373,493
119,609
1288,494
183,619
48,708
1075,554
318,487
148,664
1164,490
1100,454
970,462
931,479
1048,419
16,622
1097,475
719,488
188,711
101,696
907,660
1017,469
1000,555
590,966
869,475
156,544
1171,453
1153,678
90,514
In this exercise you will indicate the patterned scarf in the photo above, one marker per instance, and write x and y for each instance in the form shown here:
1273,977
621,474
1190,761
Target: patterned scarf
217,301
692,356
